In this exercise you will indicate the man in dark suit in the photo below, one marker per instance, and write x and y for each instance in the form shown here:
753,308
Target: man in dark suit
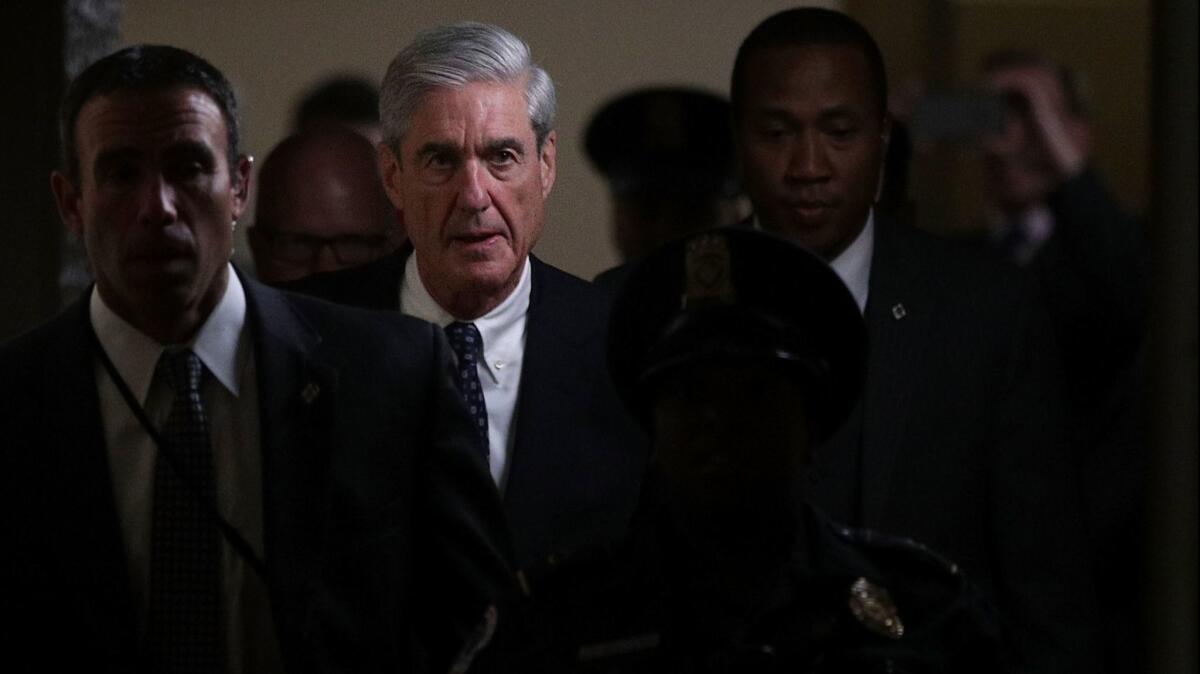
469,158
957,441
1050,210
204,474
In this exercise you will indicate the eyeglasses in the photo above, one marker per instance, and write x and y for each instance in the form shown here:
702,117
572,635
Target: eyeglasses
349,249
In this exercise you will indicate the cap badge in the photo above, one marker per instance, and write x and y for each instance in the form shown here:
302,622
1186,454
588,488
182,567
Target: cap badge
708,271
873,607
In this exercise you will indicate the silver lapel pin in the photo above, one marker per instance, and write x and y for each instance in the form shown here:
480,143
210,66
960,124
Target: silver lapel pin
310,392
898,311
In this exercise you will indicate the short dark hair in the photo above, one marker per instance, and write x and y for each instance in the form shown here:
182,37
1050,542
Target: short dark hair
808,26
145,68
345,98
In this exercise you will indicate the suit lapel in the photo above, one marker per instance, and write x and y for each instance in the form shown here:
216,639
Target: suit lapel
552,359
897,329
382,279
377,284
296,394
90,543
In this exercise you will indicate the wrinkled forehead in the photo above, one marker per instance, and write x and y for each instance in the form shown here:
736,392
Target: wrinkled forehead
478,99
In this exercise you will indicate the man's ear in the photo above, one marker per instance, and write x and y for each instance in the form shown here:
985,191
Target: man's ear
389,173
548,163
241,185
66,197
885,137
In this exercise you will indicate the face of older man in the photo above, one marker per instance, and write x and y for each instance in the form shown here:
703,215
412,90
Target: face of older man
471,184
155,205
811,142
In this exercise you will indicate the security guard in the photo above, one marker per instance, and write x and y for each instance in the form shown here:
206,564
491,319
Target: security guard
738,351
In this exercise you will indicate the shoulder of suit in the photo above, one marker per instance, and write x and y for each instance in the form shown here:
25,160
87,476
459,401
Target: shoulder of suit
345,314
965,268
351,324
25,349
373,285
887,549
899,588
548,273
881,555
563,287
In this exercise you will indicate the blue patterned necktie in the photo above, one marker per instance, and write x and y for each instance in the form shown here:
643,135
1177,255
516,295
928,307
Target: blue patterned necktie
468,346
184,621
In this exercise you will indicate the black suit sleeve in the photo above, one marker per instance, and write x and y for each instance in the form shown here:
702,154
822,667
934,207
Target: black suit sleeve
1044,584
464,559
1102,247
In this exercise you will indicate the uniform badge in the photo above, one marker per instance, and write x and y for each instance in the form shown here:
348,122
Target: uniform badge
873,607
708,271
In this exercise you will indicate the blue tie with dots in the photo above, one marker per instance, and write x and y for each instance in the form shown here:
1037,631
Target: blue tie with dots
468,346
184,621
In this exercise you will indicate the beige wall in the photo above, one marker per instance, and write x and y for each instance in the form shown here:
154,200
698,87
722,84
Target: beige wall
273,49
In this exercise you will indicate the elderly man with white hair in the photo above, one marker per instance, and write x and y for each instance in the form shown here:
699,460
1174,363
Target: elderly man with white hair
469,158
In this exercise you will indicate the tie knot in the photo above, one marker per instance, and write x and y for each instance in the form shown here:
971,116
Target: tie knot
181,370
465,340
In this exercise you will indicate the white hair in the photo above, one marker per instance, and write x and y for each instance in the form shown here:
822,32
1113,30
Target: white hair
455,55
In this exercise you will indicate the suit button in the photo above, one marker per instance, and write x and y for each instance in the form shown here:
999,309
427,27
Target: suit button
814,476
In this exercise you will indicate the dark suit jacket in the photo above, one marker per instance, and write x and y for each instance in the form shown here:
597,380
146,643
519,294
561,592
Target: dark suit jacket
379,516
1093,271
958,440
578,458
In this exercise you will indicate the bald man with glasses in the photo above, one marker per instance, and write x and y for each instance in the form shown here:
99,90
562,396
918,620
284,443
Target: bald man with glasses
321,207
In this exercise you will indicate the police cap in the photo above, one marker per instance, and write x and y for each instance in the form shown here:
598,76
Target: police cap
735,293
671,140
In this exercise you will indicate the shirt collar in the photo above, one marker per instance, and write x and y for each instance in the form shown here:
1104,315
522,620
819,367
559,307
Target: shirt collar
853,265
1021,235
135,354
218,341
502,328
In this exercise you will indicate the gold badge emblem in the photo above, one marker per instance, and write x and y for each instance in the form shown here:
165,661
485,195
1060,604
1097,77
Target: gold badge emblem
708,271
873,607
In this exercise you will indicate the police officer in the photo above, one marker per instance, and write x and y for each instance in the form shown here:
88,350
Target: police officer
739,351
667,156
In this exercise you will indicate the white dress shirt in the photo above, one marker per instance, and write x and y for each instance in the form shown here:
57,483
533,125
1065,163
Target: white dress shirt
231,403
503,333
853,265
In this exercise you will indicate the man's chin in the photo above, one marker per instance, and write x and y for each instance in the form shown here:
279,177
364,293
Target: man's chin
490,270
173,287
813,238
